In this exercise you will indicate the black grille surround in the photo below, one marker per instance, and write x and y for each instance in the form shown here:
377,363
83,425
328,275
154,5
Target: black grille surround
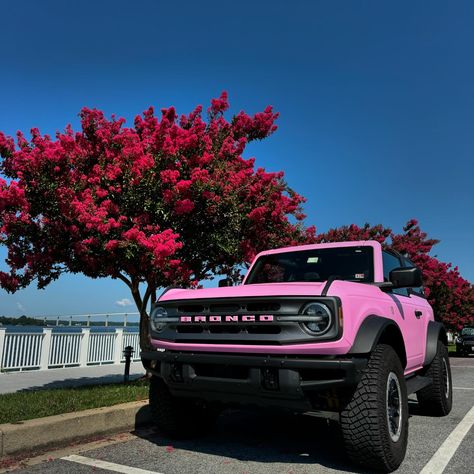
286,328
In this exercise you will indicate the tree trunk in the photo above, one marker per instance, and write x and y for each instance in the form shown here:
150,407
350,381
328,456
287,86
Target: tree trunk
141,303
145,340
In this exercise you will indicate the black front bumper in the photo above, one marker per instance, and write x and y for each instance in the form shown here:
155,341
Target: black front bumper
294,382
466,346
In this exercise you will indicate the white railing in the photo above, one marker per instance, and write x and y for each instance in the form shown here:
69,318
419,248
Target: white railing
131,339
101,347
86,319
21,350
48,349
65,349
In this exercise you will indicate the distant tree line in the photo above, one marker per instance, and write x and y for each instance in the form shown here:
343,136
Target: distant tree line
22,320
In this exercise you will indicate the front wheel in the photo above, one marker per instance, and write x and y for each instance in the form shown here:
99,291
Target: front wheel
375,422
177,417
437,398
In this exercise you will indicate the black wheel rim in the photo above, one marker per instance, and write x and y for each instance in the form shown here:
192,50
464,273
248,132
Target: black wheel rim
394,407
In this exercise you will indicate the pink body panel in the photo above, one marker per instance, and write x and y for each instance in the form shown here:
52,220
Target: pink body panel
241,291
359,300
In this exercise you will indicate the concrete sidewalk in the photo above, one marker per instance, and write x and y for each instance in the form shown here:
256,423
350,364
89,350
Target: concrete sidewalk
72,377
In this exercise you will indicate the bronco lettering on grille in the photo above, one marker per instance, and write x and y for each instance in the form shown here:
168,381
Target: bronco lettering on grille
243,318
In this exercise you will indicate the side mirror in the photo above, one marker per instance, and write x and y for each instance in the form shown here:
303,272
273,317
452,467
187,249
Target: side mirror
225,282
406,277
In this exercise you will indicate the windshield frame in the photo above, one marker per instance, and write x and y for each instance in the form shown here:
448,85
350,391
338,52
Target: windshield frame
370,278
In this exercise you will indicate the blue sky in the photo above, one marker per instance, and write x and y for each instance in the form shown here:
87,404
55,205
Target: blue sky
376,101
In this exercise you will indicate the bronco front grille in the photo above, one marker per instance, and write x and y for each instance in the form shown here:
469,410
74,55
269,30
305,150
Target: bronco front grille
275,321
228,329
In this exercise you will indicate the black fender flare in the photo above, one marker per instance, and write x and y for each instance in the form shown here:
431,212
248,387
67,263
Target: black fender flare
372,330
435,332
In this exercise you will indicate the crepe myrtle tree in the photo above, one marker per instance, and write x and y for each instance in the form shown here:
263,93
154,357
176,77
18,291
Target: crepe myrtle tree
451,296
169,201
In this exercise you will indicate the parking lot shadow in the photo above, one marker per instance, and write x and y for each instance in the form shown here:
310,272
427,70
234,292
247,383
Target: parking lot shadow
78,382
414,408
266,436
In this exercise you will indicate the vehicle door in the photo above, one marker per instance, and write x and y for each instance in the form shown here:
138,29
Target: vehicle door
407,313
423,311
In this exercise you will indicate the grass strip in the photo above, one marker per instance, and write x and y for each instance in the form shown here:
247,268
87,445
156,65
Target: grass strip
20,406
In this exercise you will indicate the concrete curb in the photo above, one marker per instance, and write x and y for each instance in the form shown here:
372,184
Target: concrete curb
60,430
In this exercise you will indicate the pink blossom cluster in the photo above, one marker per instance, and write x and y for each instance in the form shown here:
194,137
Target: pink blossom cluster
168,201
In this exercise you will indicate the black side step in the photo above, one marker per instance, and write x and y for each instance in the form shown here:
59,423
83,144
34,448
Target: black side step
417,382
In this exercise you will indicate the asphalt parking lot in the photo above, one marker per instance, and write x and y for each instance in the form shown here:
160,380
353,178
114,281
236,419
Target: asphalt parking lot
264,442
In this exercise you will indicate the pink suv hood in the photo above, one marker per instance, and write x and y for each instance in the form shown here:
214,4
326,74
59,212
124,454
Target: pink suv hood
255,290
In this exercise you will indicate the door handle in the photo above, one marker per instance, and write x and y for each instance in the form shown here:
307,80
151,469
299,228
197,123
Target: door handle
418,314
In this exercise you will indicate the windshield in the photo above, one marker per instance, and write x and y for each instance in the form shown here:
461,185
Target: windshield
468,332
347,263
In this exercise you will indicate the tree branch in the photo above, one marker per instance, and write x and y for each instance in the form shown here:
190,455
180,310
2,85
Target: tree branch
125,280
153,297
146,297
136,295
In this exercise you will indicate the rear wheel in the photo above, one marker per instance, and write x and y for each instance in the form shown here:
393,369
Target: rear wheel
177,417
437,398
375,422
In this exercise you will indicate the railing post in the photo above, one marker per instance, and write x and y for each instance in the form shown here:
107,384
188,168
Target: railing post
45,348
2,345
118,345
125,320
106,320
84,350
88,320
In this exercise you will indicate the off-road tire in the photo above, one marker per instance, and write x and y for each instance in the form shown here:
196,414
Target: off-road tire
437,398
176,417
368,439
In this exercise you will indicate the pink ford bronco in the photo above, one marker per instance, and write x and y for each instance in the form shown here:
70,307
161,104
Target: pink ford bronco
339,329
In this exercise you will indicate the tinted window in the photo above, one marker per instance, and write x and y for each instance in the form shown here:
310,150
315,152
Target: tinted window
418,290
390,262
347,263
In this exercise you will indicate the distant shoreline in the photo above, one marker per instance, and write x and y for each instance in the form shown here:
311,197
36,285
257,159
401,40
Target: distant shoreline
28,322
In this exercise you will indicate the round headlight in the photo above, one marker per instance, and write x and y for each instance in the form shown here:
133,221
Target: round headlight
157,314
321,318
